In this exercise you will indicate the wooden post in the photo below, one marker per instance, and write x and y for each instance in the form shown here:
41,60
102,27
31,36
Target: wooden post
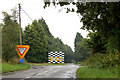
20,24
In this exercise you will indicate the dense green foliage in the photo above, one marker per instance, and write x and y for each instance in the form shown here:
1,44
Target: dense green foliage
34,36
102,22
103,60
55,44
38,32
10,36
0,42
81,52
100,19
37,35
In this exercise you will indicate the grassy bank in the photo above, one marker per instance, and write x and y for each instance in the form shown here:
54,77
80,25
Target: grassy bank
10,67
84,72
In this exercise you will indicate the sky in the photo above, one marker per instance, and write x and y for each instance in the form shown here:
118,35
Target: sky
61,24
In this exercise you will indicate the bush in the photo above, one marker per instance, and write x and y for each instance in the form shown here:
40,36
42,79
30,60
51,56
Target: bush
16,60
103,60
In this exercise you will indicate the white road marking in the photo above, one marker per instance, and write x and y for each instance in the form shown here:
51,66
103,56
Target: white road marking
33,73
51,68
39,74
74,76
27,77
45,71
68,73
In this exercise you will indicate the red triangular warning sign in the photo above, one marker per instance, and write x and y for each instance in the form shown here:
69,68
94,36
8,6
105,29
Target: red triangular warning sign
22,50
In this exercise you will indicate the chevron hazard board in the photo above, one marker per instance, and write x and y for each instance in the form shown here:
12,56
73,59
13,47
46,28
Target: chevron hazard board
56,57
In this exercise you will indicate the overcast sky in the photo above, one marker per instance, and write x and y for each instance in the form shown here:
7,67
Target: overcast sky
61,24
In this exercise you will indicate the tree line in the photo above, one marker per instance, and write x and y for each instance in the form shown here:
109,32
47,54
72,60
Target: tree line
101,20
81,51
36,35
100,49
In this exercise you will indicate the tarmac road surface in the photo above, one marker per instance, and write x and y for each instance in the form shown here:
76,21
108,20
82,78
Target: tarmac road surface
45,71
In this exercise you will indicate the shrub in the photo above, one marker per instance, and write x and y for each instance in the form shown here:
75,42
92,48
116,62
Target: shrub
16,60
103,60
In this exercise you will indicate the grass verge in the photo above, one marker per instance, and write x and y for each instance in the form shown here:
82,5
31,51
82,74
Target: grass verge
84,72
13,67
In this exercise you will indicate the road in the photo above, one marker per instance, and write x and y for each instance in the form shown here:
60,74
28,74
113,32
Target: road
46,71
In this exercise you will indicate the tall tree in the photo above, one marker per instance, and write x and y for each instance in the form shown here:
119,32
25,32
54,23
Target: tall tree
81,52
34,36
0,41
55,44
102,19
38,32
69,56
10,36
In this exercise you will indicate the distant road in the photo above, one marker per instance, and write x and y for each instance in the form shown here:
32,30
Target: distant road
46,71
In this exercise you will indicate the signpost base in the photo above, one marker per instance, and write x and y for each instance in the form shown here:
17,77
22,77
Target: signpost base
21,60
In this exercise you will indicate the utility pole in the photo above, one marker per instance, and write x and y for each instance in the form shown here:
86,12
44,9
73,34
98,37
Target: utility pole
20,24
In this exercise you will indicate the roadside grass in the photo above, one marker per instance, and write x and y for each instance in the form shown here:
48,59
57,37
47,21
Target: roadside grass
6,67
46,63
13,67
85,72
0,67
